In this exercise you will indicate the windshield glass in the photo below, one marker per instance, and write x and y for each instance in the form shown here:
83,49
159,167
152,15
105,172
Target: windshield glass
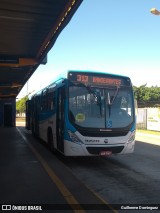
93,107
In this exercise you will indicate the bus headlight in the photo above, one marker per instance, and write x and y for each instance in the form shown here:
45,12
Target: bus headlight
74,137
132,137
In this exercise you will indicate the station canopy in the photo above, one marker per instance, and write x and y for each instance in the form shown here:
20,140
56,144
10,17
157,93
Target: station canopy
28,30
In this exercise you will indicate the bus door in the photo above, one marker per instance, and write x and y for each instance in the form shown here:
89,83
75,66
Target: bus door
60,120
37,109
35,116
28,114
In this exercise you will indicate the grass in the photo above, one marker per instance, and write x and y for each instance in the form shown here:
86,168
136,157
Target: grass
148,131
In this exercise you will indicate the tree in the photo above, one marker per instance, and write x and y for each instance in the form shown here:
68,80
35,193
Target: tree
21,105
147,96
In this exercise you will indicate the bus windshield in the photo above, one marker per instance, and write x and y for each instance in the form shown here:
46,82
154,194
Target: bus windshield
96,107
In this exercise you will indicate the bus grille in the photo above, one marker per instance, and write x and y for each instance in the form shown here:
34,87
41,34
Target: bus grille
103,134
97,150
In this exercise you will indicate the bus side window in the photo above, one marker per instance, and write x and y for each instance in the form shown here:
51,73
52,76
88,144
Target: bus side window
44,101
51,101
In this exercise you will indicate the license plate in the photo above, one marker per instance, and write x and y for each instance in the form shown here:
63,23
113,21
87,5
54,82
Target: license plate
106,153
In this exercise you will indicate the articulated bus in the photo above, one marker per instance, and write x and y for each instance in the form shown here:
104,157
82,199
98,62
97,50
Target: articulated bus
86,113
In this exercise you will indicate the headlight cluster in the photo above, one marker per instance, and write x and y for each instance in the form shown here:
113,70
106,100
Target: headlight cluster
74,137
132,137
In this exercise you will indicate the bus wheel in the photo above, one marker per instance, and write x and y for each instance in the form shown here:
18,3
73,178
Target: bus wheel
50,141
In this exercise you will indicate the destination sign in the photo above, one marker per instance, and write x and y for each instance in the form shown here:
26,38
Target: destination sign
98,79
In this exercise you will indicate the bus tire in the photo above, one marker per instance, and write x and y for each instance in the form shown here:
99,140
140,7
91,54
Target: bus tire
50,141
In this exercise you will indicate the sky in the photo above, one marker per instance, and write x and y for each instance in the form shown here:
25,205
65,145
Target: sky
114,36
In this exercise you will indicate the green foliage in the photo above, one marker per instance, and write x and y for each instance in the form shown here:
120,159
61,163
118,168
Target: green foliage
21,105
147,96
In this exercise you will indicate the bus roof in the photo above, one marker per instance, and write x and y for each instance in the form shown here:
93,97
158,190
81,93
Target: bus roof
64,75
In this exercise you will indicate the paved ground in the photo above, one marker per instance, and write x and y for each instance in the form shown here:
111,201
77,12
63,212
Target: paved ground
32,175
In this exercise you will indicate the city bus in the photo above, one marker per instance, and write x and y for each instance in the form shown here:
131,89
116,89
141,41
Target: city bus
84,114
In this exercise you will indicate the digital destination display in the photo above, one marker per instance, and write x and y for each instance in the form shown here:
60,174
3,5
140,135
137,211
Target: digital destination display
98,79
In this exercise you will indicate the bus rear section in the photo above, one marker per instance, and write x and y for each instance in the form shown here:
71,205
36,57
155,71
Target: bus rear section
28,114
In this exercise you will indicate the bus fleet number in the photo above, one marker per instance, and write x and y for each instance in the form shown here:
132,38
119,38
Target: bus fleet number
82,78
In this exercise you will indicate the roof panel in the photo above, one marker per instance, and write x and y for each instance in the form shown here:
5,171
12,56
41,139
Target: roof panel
28,31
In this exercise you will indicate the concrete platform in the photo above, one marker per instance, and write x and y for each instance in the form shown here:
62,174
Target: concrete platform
32,175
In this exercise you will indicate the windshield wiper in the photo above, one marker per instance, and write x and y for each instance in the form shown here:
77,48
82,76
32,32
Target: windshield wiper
110,102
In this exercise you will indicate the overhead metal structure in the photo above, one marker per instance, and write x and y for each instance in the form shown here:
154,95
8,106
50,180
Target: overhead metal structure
28,30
